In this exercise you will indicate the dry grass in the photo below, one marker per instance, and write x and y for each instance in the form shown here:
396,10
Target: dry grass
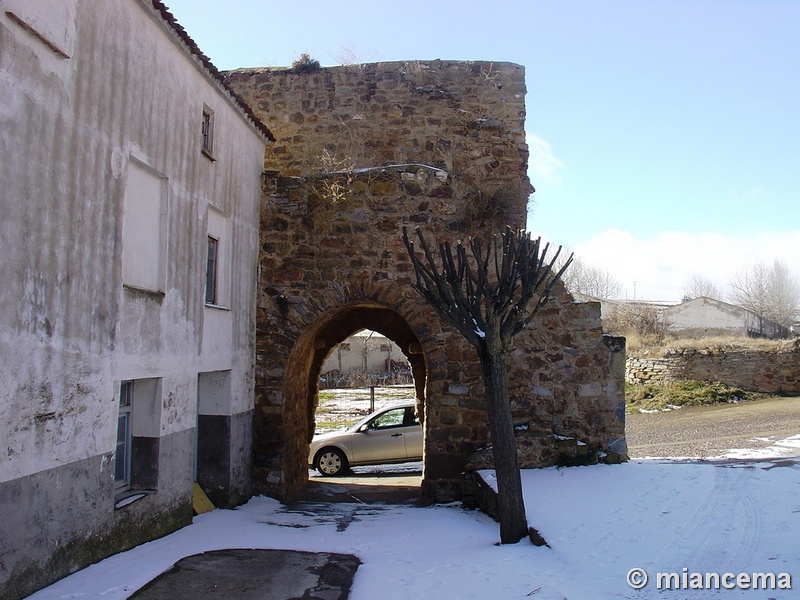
682,393
639,346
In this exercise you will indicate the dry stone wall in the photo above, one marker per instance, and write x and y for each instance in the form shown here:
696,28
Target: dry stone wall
428,142
769,372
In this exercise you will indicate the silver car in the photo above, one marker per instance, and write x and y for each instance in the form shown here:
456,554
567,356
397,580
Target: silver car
389,435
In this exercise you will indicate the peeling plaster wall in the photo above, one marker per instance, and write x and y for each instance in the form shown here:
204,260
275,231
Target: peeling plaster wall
123,93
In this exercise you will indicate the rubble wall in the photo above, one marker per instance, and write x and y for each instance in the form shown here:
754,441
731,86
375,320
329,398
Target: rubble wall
755,371
438,145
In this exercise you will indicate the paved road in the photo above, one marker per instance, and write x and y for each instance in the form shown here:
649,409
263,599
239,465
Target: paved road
366,485
255,575
711,431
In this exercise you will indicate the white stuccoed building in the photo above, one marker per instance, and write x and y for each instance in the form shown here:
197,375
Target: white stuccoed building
131,179
701,317
368,352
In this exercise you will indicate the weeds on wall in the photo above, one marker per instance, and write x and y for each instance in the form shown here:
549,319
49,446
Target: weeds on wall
306,64
486,207
478,197
668,346
331,190
485,204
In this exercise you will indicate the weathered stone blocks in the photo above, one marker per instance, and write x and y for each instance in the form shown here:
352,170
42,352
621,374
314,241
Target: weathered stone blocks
362,151
757,371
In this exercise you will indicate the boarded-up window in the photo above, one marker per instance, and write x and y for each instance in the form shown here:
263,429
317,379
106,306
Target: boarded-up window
144,228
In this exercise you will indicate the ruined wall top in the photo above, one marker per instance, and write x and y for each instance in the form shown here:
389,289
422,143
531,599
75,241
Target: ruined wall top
466,118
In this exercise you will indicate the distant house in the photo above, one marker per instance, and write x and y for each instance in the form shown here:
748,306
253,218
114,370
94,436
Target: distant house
709,317
607,307
367,352
619,313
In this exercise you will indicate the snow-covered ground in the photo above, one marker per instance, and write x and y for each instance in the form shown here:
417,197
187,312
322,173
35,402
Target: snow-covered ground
664,516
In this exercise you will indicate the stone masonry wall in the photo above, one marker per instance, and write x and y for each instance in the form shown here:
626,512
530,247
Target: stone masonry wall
428,142
467,118
769,372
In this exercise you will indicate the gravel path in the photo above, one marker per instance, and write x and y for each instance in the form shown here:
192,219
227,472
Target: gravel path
711,431
701,432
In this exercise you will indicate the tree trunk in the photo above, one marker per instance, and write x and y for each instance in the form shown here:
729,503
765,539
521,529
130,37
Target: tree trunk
513,522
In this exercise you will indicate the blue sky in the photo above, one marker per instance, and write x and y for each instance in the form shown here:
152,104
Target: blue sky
665,136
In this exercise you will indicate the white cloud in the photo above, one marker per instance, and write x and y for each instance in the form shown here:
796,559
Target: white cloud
660,267
544,166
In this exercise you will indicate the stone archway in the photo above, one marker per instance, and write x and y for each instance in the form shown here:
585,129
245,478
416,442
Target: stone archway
284,420
309,354
439,145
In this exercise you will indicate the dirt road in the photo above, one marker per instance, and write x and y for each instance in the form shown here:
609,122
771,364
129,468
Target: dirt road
711,431
701,432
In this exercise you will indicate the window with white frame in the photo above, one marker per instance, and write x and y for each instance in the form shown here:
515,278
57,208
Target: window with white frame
217,280
212,260
138,435
122,467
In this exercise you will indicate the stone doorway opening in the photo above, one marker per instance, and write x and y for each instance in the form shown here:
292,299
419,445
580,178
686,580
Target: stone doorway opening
302,386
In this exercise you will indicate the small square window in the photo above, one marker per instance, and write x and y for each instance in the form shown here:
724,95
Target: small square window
211,270
208,132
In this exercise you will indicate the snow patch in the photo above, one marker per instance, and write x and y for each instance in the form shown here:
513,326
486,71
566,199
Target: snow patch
600,521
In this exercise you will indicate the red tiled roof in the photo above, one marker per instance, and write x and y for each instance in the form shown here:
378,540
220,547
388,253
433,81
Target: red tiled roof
213,71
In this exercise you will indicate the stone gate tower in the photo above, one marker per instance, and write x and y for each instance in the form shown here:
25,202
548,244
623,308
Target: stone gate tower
361,151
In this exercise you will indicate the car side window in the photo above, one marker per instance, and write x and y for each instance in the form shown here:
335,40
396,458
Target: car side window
411,417
392,418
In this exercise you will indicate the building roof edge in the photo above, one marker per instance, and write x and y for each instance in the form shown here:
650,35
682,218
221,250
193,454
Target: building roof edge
213,71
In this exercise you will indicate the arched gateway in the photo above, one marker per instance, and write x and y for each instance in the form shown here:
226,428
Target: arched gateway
362,151
285,424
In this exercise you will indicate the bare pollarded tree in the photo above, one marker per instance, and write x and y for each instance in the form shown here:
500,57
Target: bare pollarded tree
489,293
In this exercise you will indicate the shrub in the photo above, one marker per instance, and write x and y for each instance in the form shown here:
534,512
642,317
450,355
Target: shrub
306,64
651,396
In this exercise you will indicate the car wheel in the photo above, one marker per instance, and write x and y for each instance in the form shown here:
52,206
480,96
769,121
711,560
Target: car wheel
330,462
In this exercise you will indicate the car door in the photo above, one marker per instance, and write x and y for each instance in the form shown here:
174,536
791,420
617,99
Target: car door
382,439
412,435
